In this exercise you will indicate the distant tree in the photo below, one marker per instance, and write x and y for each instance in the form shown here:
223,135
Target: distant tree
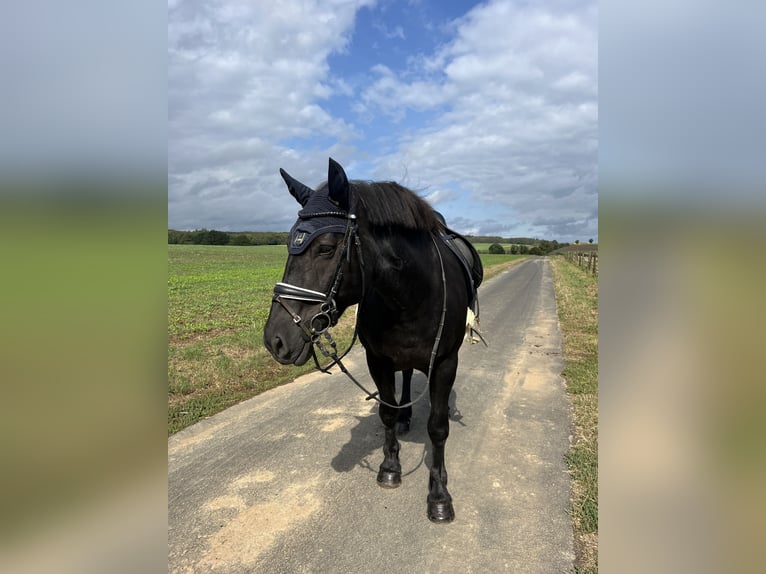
514,249
239,239
535,251
210,237
496,249
590,240
523,249
522,240
183,237
577,242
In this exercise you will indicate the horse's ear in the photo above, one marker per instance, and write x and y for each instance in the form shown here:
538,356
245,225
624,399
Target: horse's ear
299,191
337,183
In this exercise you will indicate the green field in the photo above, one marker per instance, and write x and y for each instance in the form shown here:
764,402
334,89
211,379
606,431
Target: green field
214,288
218,302
494,264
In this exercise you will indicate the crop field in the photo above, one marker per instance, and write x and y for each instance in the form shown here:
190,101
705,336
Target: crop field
484,247
213,288
218,302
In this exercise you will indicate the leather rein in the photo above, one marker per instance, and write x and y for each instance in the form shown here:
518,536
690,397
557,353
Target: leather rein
318,326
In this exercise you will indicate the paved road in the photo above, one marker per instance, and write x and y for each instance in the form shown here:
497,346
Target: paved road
285,482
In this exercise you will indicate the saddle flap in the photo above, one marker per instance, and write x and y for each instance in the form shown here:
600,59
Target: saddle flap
467,253
468,256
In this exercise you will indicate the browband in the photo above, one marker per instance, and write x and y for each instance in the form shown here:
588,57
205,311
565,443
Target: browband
342,214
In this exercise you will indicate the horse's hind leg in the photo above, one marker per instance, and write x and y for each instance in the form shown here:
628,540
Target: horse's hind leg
405,414
390,473
440,507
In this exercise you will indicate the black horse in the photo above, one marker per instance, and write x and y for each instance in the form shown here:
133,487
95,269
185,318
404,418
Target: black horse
379,245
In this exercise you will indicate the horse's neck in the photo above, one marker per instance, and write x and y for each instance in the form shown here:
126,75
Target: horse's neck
403,272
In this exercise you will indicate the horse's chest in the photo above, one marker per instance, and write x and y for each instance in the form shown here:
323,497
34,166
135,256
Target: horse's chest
405,347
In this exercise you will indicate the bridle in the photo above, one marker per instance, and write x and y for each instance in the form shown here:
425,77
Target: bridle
328,315
319,325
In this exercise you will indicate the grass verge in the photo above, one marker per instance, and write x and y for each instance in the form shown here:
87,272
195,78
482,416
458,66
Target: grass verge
577,301
496,264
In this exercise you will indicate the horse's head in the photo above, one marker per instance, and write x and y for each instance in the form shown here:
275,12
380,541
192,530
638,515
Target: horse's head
320,279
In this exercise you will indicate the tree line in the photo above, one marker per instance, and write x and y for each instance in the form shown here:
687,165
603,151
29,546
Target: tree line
496,239
215,237
541,247
518,245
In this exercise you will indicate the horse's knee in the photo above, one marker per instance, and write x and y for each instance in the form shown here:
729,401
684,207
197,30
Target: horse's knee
403,424
388,416
438,431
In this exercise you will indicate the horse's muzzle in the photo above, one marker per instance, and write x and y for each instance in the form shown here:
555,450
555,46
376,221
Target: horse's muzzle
287,351
285,340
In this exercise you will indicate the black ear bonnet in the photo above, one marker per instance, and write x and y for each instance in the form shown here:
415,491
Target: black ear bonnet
312,221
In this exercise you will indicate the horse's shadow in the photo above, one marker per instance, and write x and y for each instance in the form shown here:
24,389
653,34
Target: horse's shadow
365,446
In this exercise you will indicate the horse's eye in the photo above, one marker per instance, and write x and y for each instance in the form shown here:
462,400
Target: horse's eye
326,250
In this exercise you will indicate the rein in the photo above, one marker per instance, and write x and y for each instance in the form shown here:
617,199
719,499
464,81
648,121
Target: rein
327,317
374,395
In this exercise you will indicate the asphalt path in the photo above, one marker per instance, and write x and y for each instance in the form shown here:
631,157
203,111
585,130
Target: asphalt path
285,482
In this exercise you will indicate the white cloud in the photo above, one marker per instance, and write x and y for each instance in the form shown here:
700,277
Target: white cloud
393,96
510,136
243,79
395,32
520,131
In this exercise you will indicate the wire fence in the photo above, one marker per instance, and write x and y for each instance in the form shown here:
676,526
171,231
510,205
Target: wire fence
587,260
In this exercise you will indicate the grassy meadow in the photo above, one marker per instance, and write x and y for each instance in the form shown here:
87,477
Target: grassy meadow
218,302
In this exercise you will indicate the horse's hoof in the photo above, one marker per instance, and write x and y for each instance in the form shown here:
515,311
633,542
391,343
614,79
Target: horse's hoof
440,512
389,479
402,428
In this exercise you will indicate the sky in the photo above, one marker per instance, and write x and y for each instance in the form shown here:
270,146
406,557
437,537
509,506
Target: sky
486,109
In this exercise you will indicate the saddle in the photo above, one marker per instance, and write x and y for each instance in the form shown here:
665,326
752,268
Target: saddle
468,256
473,275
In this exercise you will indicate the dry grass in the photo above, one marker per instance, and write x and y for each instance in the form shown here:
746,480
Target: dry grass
502,263
577,301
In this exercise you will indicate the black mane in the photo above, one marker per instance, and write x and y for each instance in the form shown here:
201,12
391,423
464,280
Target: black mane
388,204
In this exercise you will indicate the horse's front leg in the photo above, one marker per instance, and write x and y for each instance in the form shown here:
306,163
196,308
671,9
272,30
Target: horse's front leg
382,371
439,500
405,415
